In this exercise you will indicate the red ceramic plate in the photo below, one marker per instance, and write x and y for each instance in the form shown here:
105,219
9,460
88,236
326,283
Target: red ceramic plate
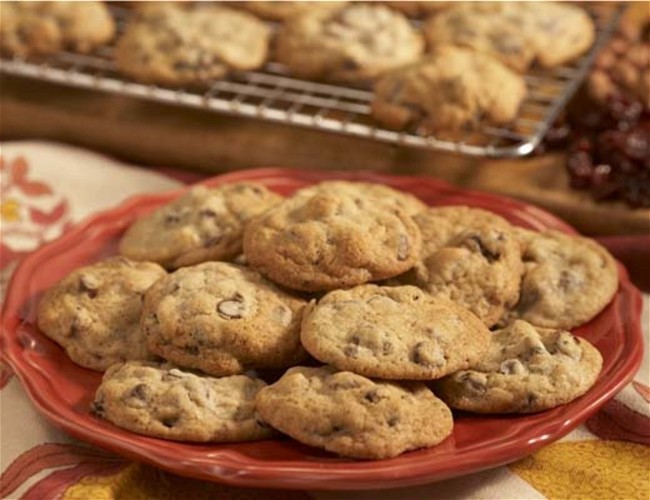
62,391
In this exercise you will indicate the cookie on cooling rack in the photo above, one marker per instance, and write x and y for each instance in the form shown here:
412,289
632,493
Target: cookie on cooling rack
94,312
397,333
526,369
222,319
170,403
357,42
323,239
41,28
203,224
173,45
450,89
354,416
567,279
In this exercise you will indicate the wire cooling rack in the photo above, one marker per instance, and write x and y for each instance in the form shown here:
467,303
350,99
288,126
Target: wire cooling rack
272,94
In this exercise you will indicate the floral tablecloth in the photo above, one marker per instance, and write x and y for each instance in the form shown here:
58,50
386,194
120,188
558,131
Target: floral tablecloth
48,187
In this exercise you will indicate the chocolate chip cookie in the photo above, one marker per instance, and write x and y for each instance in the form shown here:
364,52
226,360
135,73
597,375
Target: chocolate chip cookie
450,89
354,416
471,257
281,11
163,401
516,33
222,319
355,43
321,240
94,312
173,45
526,370
397,333
41,28
567,279
203,224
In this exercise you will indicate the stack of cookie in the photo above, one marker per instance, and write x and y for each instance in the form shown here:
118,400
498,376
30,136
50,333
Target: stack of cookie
452,71
345,295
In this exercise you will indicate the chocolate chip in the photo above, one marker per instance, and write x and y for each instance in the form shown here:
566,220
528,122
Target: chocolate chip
474,243
97,407
393,421
170,422
232,308
386,348
512,367
192,350
140,391
172,218
474,381
403,248
207,213
89,286
427,354
531,398
214,240
372,396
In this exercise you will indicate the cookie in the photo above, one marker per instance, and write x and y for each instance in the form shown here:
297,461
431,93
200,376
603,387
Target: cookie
42,28
94,312
173,45
375,193
354,416
355,43
281,11
322,240
418,8
471,257
526,370
203,224
450,89
397,333
165,402
567,279
516,33
222,319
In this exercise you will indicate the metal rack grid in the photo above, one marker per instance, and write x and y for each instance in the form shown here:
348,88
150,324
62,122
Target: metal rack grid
271,94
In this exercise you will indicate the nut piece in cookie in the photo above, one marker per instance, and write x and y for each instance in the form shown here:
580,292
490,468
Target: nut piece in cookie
166,402
354,43
203,224
171,44
450,89
526,370
399,333
470,256
42,28
222,319
354,416
321,239
567,279
94,312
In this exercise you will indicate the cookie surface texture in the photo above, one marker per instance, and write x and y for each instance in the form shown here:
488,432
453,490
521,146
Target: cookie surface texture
355,43
222,319
354,416
319,240
450,89
527,369
399,333
567,279
166,402
174,45
94,312
203,224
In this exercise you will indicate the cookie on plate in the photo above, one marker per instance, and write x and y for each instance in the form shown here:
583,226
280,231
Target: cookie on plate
94,312
321,240
470,256
354,416
163,401
354,43
173,45
203,224
450,89
379,193
399,333
222,319
527,369
567,279
281,11
41,28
